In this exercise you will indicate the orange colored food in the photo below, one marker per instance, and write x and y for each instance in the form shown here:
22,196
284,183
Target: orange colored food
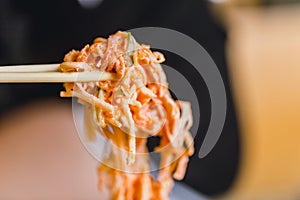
128,111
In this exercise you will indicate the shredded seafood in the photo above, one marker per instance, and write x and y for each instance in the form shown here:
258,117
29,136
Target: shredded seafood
127,111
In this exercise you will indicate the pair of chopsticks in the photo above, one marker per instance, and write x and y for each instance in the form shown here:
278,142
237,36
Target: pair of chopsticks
48,73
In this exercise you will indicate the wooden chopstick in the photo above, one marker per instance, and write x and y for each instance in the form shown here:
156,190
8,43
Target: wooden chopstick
48,73
30,68
55,77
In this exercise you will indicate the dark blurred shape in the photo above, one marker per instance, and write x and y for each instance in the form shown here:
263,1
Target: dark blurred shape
43,31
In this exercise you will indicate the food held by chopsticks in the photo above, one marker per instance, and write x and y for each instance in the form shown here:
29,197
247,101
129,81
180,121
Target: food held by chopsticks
127,110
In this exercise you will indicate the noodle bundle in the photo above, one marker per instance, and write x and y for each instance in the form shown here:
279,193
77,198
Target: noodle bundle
129,110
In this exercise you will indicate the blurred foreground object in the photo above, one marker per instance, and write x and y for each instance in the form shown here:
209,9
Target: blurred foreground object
263,54
42,157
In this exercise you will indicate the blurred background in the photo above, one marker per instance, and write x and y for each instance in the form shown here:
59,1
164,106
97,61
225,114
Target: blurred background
254,43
